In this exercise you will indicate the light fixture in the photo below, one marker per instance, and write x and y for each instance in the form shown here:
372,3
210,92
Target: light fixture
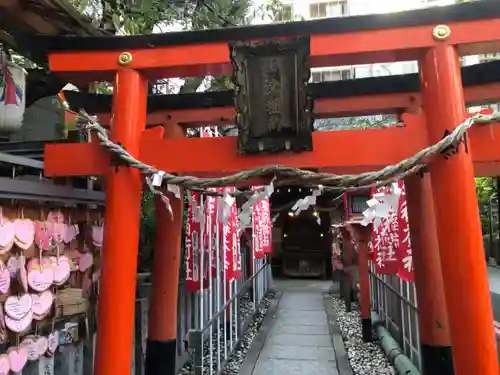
315,214
289,190
322,235
291,214
285,235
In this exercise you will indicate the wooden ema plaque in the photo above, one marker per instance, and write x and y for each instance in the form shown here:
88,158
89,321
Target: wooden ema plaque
273,109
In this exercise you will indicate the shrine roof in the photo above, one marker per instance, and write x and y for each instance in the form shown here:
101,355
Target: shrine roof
44,17
473,75
485,9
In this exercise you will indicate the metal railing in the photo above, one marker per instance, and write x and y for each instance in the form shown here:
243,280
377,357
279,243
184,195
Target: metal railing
210,327
224,323
395,301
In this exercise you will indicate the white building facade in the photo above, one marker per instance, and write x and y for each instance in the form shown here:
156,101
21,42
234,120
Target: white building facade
316,9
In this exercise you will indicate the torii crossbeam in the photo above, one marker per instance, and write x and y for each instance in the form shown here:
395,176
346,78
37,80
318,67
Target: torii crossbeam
435,37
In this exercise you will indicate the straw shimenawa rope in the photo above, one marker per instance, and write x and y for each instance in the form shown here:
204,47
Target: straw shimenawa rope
295,176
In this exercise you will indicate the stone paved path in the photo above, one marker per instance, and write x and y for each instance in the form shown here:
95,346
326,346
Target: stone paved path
299,341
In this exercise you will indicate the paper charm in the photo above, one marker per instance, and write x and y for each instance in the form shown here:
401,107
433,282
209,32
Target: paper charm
225,207
175,190
377,209
304,203
275,217
267,191
245,215
157,179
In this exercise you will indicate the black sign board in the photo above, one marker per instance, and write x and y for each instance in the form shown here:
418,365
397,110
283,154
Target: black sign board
273,109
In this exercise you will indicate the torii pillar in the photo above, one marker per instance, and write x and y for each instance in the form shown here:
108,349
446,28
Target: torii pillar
124,188
457,215
434,328
161,351
117,286
362,236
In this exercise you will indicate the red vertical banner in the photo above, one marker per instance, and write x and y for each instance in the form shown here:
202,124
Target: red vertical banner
210,261
405,269
385,237
192,243
257,232
228,240
266,225
235,242
212,226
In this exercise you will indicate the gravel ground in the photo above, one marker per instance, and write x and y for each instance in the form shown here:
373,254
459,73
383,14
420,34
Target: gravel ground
365,358
235,360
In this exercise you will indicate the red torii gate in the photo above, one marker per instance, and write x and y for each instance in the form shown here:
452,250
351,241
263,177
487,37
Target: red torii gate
415,35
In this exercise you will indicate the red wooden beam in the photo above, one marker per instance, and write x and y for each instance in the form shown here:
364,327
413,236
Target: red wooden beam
323,108
362,47
350,151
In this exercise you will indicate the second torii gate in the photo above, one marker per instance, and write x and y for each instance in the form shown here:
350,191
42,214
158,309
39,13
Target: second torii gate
130,62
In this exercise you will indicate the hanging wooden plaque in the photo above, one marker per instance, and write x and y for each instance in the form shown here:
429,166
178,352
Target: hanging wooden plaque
273,108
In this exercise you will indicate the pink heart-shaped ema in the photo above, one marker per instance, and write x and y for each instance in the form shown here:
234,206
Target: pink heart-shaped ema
24,233
17,307
13,266
42,344
41,303
85,261
7,233
2,320
22,276
70,233
29,342
19,326
18,356
42,235
4,364
4,278
40,277
52,342
62,270
56,230
55,217
97,235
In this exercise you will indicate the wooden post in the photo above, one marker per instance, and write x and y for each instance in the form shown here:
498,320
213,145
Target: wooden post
433,317
121,238
362,236
347,259
457,218
161,351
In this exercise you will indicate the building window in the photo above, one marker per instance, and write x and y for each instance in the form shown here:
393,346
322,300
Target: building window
285,13
328,9
358,203
489,57
331,75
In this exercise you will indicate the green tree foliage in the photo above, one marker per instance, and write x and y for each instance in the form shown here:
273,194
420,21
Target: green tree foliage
486,190
133,17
